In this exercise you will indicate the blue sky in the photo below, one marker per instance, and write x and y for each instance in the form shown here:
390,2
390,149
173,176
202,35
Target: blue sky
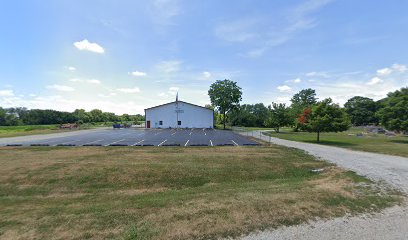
124,56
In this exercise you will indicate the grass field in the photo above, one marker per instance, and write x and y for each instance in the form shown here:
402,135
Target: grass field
171,193
15,131
377,143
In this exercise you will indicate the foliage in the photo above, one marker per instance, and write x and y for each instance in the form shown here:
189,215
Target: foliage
361,110
249,115
278,116
225,95
23,116
306,98
325,117
394,112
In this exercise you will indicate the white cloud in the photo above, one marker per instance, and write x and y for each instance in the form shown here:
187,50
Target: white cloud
94,81
297,80
129,90
374,81
32,95
284,88
173,90
75,80
85,45
61,88
206,75
384,71
162,94
317,74
6,93
163,11
72,69
168,66
138,74
400,68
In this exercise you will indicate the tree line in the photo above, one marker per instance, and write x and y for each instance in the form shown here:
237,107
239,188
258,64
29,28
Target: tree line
24,116
307,113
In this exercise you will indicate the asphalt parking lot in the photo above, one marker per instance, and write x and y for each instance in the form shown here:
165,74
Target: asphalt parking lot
137,137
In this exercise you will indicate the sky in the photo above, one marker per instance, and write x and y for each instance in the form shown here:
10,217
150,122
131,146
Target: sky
123,56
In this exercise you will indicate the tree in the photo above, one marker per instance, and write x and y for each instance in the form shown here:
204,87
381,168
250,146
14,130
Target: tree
225,95
300,101
324,117
278,116
361,110
393,114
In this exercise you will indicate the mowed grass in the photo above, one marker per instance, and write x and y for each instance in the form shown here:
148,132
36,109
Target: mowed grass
377,143
172,193
15,131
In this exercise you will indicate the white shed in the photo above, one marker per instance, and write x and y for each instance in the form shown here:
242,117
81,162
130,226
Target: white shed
179,114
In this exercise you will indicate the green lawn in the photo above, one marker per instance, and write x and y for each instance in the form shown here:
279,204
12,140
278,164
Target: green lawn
172,193
377,143
15,131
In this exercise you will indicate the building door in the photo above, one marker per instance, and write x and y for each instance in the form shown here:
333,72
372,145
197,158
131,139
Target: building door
148,124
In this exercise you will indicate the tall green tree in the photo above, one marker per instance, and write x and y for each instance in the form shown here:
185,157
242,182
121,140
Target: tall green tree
279,116
393,114
302,100
361,110
225,95
325,116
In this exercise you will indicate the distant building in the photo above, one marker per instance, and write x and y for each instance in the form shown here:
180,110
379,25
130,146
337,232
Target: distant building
179,114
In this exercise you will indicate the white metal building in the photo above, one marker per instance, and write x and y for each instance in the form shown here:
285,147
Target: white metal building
179,114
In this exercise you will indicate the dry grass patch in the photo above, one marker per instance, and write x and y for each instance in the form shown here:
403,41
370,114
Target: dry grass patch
171,193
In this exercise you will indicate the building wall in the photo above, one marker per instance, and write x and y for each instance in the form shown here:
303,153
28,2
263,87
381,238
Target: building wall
190,116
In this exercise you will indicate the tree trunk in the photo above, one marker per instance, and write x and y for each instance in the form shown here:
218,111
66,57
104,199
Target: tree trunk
318,136
224,119
277,129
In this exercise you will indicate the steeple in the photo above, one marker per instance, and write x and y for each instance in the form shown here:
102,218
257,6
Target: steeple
177,97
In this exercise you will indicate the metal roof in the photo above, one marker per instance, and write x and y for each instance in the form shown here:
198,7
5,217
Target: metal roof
179,102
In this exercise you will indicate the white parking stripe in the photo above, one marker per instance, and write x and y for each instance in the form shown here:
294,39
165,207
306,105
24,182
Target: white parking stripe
186,142
191,132
205,133
116,142
162,143
236,144
173,133
138,143
211,144
70,142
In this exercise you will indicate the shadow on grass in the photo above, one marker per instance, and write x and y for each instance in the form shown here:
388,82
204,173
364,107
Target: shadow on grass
331,143
400,141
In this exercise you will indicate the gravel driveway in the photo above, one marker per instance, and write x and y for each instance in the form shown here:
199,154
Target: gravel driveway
392,223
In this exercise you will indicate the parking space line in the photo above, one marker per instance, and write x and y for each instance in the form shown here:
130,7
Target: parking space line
191,133
162,143
205,133
211,143
70,142
173,133
138,143
115,142
236,144
186,142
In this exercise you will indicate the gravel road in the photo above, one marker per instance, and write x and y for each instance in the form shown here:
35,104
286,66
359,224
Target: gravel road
392,223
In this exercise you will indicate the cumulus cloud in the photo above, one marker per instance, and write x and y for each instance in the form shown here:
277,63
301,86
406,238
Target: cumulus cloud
6,93
129,90
399,68
85,45
138,74
374,81
61,88
94,81
297,80
72,69
206,75
284,88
